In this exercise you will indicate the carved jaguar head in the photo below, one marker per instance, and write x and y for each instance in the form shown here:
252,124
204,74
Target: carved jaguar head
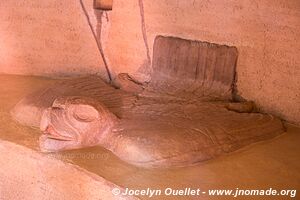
74,122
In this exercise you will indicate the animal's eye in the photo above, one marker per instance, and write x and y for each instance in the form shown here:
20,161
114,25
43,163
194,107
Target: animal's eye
83,118
85,113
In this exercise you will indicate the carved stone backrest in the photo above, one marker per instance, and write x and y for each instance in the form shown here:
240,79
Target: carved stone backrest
184,66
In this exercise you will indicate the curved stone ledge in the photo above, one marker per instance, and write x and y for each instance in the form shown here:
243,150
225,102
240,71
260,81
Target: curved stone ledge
26,174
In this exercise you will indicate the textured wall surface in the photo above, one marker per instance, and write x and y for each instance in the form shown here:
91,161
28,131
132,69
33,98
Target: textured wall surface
265,33
47,38
43,37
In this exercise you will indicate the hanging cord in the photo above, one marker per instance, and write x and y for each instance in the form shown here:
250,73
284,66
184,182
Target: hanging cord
98,42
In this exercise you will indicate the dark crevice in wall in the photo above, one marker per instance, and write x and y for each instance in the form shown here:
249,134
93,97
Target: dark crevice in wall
100,14
106,16
144,33
98,41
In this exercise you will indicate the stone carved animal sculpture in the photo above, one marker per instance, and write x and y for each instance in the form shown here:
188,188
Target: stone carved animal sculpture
178,119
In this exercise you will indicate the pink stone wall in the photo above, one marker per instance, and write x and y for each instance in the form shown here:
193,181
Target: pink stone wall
43,37
53,37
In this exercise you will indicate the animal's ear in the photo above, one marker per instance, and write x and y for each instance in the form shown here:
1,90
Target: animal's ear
85,113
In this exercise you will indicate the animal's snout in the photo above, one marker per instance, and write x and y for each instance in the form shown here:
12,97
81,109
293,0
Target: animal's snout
45,120
49,129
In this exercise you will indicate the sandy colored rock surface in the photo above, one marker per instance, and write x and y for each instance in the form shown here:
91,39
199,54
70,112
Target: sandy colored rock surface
274,163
